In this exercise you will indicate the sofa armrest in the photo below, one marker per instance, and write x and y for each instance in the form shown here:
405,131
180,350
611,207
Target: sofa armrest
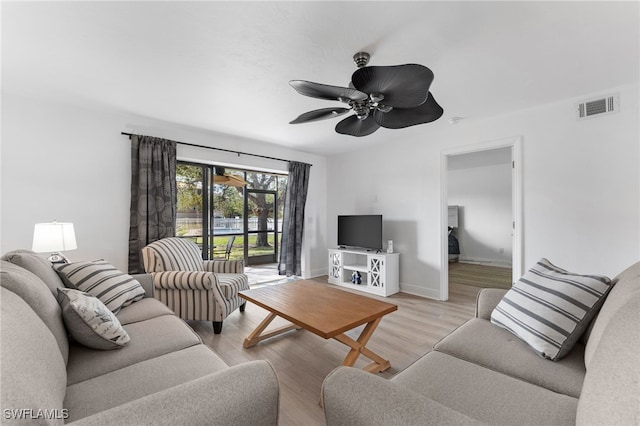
224,266
146,281
353,397
184,280
487,300
247,394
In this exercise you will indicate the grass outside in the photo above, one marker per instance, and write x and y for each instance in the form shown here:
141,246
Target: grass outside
237,252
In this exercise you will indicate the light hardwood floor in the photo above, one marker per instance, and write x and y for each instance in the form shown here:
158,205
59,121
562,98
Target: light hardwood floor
479,275
302,359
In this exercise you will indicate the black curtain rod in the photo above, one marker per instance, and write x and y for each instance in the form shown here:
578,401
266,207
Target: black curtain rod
219,149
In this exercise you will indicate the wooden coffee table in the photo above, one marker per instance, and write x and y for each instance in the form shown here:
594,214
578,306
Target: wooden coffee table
323,310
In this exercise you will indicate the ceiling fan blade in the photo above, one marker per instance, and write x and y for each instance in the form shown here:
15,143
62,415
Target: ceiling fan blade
320,114
355,127
399,118
236,181
403,86
324,91
229,180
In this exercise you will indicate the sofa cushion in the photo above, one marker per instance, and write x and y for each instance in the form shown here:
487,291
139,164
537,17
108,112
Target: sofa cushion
149,339
90,322
32,368
480,342
611,392
39,297
549,308
144,378
114,288
37,265
485,395
353,397
243,395
627,284
142,310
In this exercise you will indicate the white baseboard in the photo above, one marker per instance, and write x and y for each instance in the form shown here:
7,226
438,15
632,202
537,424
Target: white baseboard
315,273
491,262
420,291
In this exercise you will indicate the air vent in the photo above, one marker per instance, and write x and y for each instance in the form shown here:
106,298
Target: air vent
594,107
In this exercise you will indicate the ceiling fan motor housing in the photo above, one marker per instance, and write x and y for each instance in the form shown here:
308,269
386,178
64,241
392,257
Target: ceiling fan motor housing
361,59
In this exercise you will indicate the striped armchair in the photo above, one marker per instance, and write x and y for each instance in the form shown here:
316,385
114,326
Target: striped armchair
195,289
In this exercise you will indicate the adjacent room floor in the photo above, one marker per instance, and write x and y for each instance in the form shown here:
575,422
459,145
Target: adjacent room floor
479,275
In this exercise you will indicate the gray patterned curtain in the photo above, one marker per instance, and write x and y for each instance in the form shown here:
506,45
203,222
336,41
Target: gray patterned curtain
293,221
153,195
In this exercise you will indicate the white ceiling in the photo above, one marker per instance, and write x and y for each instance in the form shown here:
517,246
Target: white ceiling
225,66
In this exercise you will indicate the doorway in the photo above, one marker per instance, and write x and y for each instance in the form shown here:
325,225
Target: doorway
488,205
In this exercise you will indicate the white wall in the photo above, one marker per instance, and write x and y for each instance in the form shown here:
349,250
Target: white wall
73,165
581,187
483,196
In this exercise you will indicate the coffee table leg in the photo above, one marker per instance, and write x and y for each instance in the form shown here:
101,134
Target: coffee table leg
257,336
358,347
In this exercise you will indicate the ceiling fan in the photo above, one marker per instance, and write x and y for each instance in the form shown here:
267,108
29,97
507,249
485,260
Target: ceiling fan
393,97
221,178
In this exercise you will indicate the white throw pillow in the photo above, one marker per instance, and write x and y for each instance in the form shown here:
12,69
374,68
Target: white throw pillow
114,288
549,308
89,321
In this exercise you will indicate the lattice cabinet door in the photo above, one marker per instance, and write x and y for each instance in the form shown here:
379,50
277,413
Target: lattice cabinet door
335,265
377,272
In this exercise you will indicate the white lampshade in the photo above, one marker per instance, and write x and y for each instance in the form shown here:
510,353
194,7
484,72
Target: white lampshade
53,237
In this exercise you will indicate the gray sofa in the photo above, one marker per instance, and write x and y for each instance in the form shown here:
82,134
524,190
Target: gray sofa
482,374
164,375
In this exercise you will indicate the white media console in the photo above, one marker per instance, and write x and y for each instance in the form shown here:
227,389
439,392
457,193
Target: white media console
380,271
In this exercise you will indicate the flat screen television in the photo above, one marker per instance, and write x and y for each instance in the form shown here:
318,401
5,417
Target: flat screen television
363,231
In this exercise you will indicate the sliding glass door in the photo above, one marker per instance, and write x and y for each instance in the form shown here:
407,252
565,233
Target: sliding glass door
231,213
227,214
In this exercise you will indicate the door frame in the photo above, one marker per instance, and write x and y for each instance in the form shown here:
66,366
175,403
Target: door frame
263,259
515,143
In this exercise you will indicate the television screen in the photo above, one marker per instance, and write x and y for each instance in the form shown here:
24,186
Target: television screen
363,231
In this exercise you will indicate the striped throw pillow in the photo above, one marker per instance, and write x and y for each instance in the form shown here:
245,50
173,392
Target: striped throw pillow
100,279
549,308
